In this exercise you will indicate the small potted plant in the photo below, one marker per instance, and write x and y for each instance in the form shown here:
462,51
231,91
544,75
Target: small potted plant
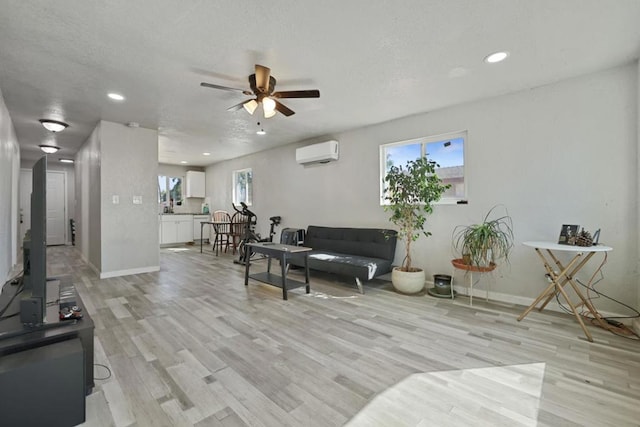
482,245
411,191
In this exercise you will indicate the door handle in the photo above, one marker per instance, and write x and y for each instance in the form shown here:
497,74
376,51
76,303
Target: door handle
21,218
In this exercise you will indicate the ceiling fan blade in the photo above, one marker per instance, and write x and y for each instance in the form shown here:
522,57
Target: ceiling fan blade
262,78
231,89
284,109
237,106
297,94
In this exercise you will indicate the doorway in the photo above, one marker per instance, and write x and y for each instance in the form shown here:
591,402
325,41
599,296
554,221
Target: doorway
56,205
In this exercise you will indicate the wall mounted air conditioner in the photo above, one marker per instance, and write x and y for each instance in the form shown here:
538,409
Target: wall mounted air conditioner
323,152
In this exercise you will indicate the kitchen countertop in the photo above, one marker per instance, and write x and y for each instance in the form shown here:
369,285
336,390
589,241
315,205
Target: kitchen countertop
184,213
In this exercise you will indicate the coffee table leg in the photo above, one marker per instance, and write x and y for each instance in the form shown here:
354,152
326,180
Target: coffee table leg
283,264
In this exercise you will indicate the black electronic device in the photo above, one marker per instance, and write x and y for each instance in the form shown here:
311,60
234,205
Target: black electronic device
34,296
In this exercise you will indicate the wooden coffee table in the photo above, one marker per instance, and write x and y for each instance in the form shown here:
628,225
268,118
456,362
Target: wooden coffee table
283,253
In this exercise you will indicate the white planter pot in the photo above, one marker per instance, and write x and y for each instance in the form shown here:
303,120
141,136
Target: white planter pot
407,282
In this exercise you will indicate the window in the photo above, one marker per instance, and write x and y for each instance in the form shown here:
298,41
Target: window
446,150
243,186
169,189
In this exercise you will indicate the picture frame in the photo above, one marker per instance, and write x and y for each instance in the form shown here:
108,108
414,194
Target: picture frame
568,234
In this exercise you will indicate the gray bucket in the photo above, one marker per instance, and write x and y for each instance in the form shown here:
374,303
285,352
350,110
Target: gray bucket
442,285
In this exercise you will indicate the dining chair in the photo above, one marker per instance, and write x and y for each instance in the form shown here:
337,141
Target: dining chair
221,223
238,227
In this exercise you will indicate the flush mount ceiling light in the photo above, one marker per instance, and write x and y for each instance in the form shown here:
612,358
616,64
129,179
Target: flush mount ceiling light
115,96
53,125
49,149
206,154
184,162
66,160
496,57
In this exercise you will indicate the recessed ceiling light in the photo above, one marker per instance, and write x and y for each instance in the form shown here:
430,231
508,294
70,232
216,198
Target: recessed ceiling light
66,160
49,149
115,96
206,154
53,125
496,57
183,162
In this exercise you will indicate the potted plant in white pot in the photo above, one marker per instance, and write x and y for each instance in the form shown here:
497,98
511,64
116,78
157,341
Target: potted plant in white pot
411,191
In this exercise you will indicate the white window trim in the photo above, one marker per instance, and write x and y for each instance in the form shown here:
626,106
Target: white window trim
233,183
167,180
424,141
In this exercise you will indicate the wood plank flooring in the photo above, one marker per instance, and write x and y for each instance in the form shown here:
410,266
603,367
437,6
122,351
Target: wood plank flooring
191,346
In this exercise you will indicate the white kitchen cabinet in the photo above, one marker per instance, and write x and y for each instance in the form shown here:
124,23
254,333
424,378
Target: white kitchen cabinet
197,219
195,184
176,229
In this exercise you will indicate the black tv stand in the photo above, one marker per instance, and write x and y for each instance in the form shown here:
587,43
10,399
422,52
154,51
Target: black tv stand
51,344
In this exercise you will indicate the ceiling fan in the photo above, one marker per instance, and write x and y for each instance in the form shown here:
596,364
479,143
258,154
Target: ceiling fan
262,85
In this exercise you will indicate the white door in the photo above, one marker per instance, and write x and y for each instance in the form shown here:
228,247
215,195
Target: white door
56,202
26,185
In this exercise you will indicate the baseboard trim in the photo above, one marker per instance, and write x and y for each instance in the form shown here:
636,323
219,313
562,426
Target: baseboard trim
129,272
524,301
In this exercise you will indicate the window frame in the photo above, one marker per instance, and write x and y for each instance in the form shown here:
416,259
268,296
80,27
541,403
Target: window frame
167,182
249,186
424,141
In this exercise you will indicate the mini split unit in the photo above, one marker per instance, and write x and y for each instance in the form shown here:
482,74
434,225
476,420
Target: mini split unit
323,152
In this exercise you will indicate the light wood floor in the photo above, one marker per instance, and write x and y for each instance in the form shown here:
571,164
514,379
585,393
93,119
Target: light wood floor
191,345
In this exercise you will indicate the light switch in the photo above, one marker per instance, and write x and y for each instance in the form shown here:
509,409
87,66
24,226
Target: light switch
137,200
115,199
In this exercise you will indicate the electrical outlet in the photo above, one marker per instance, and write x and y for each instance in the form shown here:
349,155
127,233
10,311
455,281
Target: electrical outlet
115,199
137,200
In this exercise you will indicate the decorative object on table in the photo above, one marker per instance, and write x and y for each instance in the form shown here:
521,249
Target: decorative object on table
411,191
482,245
568,234
584,238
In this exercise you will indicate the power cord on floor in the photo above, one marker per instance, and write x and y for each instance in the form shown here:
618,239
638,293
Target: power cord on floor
613,326
105,367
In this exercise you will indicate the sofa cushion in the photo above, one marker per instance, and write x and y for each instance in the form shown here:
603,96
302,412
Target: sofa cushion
364,268
366,242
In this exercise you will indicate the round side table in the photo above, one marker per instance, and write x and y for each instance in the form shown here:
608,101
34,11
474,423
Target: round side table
458,264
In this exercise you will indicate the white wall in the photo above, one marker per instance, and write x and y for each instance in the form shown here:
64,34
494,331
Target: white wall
9,172
87,176
562,153
129,232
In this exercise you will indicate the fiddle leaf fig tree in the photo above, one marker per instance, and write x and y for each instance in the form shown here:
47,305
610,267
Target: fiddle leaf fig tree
411,191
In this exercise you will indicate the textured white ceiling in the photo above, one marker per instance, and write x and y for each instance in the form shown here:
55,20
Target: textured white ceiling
372,60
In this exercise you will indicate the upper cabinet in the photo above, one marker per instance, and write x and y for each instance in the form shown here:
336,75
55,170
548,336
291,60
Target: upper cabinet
195,184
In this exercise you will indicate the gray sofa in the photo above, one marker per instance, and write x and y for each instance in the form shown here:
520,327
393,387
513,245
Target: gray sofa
362,253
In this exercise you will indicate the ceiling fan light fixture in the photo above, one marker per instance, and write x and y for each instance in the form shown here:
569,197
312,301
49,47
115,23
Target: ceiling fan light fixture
53,125
250,106
269,105
49,149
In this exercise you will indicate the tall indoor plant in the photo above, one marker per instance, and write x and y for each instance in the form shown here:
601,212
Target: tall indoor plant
485,243
411,191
